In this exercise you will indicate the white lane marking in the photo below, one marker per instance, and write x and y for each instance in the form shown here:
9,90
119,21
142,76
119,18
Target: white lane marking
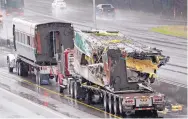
39,106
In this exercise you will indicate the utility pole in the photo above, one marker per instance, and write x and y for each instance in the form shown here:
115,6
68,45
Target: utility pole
174,3
94,15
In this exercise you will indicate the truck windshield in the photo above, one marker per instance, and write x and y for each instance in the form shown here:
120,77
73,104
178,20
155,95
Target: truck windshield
106,6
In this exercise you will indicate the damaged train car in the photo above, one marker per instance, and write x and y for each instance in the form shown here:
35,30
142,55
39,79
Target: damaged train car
142,62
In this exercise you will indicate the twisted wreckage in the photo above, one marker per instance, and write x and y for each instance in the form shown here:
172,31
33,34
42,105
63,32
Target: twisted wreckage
102,52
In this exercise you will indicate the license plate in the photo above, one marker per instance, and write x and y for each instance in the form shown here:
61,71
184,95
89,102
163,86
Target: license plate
143,101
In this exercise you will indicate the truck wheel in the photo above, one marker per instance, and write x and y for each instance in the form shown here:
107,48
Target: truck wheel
116,109
61,89
20,69
9,68
26,70
68,86
17,70
72,89
105,102
38,77
75,90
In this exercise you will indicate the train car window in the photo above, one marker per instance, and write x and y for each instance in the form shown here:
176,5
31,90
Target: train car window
21,39
28,40
32,41
19,36
24,38
16,34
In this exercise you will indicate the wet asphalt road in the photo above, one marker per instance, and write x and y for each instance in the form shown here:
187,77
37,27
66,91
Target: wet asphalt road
129,25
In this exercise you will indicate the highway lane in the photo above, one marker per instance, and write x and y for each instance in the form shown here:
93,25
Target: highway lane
13,106
48,95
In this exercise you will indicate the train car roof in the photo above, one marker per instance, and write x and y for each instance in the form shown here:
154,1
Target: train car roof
34,20
29,23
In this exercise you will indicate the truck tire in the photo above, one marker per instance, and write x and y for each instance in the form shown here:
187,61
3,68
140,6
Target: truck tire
120,100
17,68
72,89
38,81
75,89
116,105
61,89
20,69
88,98
26,70
68,86
105,102
110,103
10,69
154,114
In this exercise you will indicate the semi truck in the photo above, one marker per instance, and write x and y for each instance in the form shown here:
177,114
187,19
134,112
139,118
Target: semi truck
98,66
117,70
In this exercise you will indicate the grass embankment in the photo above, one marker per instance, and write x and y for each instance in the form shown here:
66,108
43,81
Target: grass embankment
179,31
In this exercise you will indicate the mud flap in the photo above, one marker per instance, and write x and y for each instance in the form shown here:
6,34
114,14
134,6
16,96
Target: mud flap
44,79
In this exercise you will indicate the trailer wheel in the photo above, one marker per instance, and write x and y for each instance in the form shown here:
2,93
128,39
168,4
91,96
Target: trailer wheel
88,97
120,100
116,105
10,69
38,77
105,101
154,113
110,103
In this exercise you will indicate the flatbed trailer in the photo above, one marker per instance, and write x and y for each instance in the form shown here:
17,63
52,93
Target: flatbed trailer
116,102
123,96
